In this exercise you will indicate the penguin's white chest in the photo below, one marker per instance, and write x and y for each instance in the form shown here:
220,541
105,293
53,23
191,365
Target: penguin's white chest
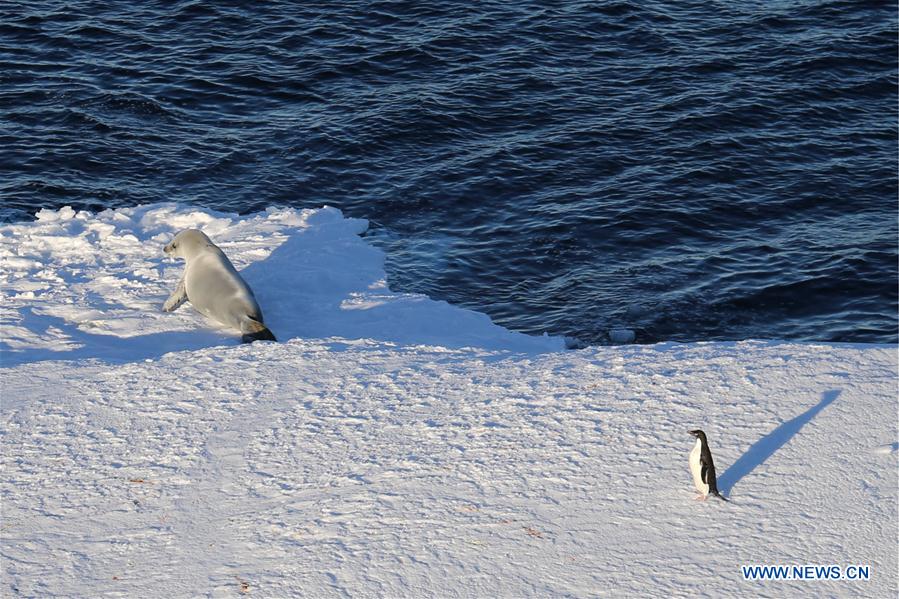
696,468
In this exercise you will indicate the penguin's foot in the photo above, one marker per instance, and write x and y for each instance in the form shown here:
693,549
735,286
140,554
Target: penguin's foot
700,498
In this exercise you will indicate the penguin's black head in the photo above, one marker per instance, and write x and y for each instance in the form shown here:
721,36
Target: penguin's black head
698,434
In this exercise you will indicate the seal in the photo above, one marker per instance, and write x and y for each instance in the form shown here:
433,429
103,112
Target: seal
212,285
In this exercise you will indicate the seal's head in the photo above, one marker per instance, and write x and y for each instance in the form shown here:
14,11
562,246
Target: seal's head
186,243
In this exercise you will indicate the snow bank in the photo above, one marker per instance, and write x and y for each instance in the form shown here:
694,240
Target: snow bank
399,447
77,285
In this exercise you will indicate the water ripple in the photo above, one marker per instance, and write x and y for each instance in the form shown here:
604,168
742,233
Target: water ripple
687,171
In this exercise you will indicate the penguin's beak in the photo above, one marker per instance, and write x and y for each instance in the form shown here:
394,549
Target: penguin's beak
693,433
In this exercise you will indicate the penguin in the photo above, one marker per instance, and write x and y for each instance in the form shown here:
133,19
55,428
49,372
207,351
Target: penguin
703,468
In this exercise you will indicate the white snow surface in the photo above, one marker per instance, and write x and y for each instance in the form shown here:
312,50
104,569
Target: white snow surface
394,446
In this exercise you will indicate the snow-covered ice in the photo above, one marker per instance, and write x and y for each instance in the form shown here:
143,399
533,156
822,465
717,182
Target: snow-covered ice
77,286
397,446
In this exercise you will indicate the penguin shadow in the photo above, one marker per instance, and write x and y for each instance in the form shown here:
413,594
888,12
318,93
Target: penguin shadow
765,447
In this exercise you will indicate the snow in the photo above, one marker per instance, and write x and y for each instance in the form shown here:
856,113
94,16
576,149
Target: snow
396,446
77,286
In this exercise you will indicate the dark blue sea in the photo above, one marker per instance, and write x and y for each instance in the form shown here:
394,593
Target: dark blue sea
692,170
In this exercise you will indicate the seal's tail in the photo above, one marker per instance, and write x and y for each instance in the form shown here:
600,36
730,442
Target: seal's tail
253,330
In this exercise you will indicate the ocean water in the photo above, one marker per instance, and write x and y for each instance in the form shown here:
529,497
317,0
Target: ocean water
690,170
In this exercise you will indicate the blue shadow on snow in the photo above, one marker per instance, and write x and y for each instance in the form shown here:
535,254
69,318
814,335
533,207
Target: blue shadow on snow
765,447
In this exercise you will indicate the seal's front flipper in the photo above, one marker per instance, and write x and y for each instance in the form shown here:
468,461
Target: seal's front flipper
178,297
253,330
